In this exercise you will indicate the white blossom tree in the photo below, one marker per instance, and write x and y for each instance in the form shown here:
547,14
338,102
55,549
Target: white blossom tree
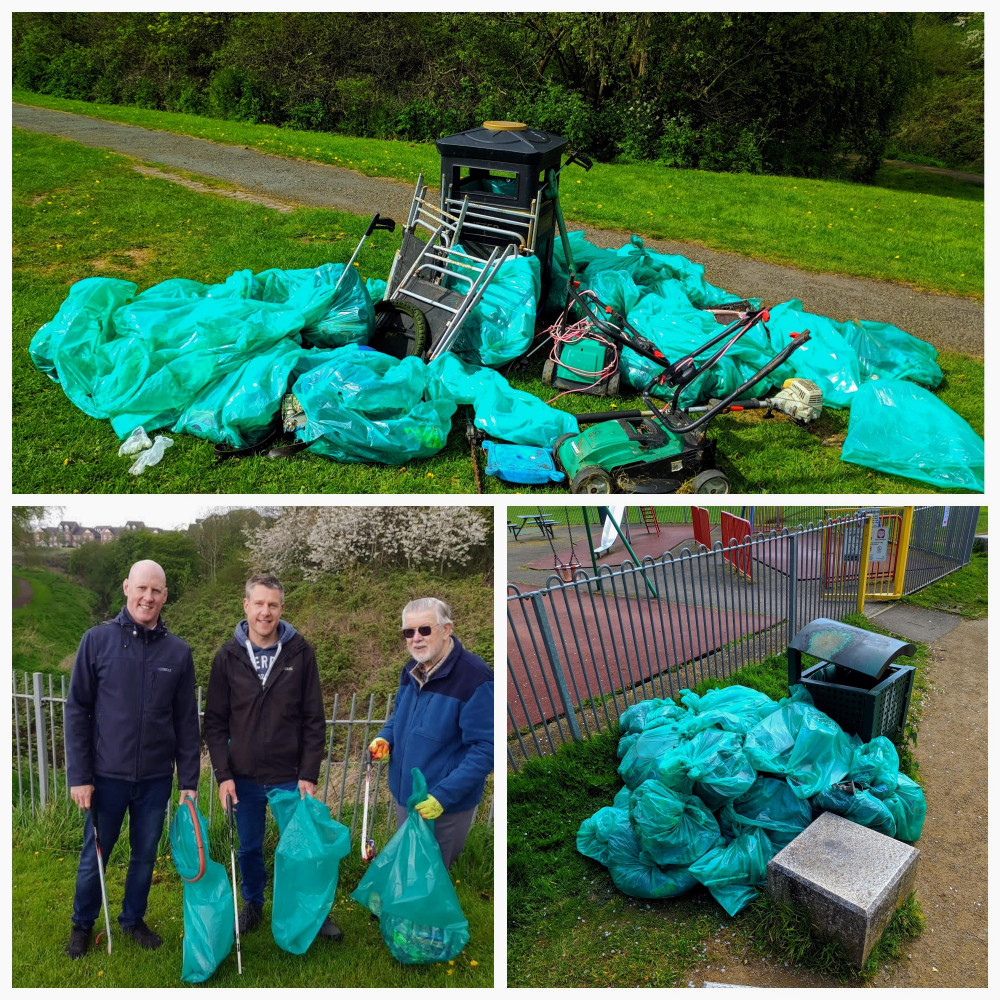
313,541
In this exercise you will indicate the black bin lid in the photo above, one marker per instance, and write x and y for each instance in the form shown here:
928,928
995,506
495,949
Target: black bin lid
868,653
524,145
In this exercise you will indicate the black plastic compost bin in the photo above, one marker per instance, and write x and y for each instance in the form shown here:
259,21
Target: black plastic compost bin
855,682
507,168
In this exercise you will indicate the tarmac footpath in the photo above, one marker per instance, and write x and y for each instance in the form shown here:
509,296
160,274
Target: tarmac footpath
950,323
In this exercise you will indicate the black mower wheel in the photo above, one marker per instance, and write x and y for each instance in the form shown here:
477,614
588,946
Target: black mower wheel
591,479
548,372
401,329
710,481
614,384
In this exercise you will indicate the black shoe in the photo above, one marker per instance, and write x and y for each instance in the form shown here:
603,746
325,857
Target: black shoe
142,935
250,916
331,930
79,942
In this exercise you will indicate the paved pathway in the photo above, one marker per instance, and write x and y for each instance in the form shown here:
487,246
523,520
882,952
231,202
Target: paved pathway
950,323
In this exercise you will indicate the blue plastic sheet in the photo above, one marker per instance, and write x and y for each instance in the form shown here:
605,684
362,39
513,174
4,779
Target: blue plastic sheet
901,428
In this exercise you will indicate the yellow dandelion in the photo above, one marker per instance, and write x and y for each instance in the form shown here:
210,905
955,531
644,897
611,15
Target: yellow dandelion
473,963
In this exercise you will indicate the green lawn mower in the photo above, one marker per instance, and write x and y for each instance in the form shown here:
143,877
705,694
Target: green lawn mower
658,449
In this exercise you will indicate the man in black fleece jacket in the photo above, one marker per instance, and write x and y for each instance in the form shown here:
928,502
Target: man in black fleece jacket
265,728
131,715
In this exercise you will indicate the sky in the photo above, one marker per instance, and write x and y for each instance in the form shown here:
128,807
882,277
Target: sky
157,512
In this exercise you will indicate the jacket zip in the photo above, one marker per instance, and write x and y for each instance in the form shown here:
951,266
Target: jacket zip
142,703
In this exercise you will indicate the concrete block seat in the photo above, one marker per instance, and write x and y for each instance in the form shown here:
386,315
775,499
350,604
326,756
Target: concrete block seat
850,879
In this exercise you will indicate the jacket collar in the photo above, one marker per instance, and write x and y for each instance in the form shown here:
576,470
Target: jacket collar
445,668
126,621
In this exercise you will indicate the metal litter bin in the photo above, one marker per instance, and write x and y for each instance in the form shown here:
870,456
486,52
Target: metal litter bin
855,683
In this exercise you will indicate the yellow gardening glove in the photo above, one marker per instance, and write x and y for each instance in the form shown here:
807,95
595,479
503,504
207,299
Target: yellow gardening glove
379,749
430,808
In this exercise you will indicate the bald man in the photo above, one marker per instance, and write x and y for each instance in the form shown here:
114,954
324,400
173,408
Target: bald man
131,717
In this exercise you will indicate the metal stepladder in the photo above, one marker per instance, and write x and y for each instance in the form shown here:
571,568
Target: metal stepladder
436,284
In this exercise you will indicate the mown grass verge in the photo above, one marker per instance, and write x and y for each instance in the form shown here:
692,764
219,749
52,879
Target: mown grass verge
48,628
569,926
918,229
44,859
80,212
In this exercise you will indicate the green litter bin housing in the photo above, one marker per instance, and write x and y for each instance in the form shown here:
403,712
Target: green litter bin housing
856,682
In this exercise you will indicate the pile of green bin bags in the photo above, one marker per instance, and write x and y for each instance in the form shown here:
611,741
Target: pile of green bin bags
215,361
716,786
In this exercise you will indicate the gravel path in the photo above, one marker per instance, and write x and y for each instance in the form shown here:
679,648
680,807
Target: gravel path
948,322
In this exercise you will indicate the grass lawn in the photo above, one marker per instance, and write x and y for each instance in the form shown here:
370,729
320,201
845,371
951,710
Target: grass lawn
964,593
48,629
568,925
80,212
911,227
44,860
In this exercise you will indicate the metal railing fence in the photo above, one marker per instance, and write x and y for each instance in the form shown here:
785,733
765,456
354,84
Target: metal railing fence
41,781
941,540
580,652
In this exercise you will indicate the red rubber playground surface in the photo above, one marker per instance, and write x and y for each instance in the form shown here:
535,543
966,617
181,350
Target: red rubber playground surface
643,544
644,645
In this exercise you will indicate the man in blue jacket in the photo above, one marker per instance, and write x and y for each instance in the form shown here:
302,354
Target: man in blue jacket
131,716
442,724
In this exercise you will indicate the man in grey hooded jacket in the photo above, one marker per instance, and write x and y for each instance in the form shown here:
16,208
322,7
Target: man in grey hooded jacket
265,727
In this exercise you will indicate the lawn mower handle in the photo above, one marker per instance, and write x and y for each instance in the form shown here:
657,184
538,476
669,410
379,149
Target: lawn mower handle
779,359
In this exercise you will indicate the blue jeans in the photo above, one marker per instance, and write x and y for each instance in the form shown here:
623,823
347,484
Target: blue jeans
251,813
146,804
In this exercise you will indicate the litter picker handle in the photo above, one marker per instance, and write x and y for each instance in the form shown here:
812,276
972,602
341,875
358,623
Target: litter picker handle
100,872
232,863
380,222
579,158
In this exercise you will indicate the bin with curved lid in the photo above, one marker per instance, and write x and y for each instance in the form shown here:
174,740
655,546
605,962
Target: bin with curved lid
856,681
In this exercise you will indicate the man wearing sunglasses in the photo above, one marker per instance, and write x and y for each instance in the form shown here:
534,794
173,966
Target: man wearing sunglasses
265,728
442,723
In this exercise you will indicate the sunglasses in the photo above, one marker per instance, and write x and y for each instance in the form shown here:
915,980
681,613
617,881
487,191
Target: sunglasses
424,630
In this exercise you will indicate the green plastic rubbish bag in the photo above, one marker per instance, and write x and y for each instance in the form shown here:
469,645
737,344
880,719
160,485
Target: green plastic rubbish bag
307,860
858,805
209,916
595,833
769,805
331,320
364,406
637,717
736,709
408,888
643,757
608,837
884,351
803,744
731,872
826,358
502,325
672,829
241,407
710,763
503,412
875,766
901,428
908,808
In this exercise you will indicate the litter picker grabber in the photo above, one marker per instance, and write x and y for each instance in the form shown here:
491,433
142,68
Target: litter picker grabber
100,872
367,844
232,863
377,222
